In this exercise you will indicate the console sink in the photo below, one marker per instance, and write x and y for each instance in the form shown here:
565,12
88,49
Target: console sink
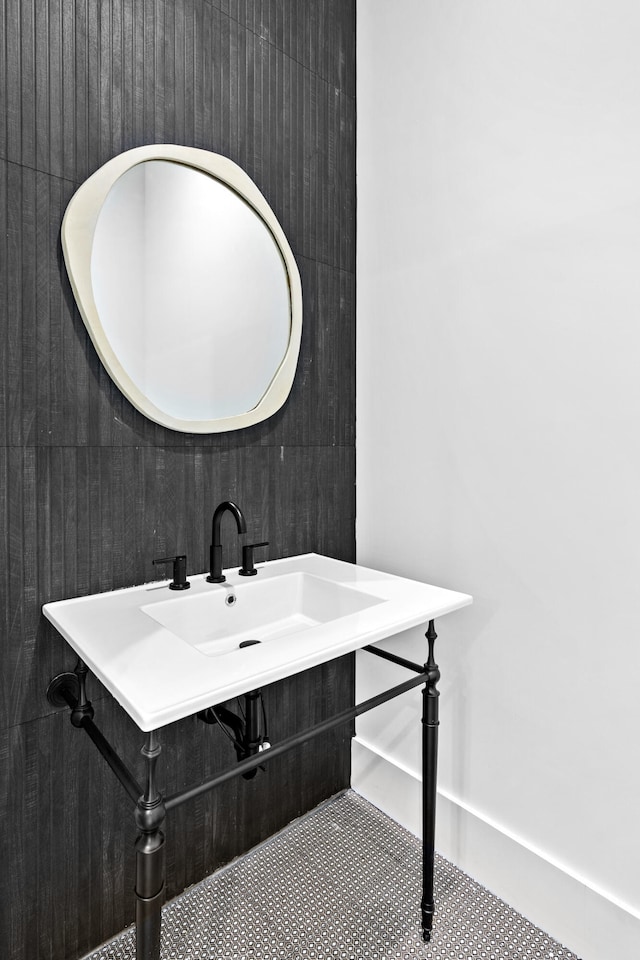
165,655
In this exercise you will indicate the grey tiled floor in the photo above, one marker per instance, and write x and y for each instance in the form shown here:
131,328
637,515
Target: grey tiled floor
342,883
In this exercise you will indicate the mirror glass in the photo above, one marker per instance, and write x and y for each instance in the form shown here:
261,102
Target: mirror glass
201,342
187,286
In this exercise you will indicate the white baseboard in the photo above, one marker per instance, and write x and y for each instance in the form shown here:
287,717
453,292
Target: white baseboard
587,920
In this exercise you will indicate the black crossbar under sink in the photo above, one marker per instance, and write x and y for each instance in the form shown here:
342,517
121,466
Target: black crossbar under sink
294,741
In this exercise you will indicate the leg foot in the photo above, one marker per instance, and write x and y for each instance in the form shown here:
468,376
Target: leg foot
149,894
427,920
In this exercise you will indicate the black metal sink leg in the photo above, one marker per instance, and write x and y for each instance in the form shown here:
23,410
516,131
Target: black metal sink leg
430,724
69,689
150,870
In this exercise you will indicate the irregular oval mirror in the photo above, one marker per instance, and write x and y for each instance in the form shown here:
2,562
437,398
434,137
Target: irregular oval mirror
187,286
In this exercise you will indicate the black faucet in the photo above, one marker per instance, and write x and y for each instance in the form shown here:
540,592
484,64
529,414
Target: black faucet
215,552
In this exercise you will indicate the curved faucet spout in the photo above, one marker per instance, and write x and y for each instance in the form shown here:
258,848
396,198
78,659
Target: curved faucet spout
215,552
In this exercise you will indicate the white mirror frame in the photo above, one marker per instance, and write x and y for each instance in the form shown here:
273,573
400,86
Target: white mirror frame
78,231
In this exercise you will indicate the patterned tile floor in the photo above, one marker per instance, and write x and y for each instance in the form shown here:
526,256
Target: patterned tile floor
343,882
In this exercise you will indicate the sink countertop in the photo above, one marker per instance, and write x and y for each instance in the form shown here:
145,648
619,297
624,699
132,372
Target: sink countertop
159,678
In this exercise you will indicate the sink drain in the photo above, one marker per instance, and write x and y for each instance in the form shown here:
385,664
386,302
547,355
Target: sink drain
247,643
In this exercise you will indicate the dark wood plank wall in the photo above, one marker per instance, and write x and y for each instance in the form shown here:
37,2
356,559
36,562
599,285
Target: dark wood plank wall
90,491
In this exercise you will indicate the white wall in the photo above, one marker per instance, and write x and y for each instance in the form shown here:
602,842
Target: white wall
499,432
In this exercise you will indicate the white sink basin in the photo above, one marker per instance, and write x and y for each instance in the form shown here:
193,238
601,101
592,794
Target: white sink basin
219,621
165,654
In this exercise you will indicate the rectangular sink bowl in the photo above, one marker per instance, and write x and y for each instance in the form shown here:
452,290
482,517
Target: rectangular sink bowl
232,618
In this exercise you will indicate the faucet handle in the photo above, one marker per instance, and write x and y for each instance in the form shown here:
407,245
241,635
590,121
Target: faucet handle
248,569
179,581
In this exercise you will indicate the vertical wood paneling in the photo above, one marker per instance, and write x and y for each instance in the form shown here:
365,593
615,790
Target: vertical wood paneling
4,302
91,491
12,385
3,76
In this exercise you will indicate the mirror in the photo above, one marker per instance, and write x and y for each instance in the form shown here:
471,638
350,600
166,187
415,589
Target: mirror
187,286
